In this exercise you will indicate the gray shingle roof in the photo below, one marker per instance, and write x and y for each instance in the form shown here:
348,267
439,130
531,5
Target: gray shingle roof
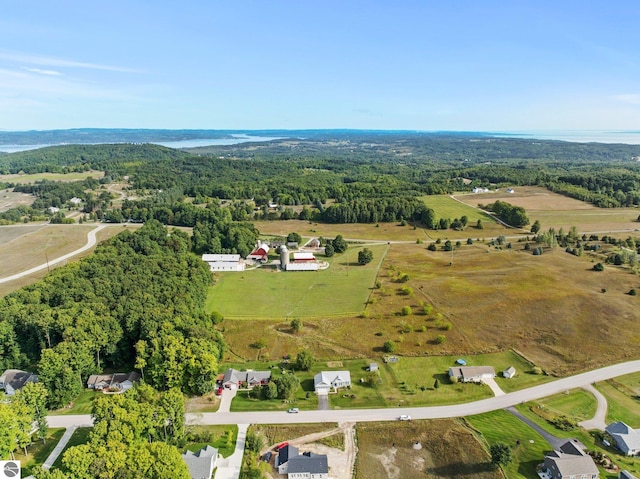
570,460
201,463
313,463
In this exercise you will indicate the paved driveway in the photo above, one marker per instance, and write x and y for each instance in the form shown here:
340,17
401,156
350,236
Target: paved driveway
494,387
229,467
323,402
225,400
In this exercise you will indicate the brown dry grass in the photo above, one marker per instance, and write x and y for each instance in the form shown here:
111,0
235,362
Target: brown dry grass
531,198
448,450
36,244
549,307
9,199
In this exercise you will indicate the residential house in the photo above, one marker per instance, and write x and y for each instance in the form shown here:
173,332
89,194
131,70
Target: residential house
284,454
325,381
75,201
570,461
626,438
234,379
509,372
373,367
472,374
12,380
224,262
116,382
510,190
301,466
202,463
308,466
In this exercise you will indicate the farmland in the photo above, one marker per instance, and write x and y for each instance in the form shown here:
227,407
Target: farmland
23,178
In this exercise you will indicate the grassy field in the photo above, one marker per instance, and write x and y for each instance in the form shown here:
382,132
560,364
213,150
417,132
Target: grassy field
32,178
449,449
445,206
10,199
500,426
622,398
38,452
37,243
558,211
276,434
578,404
341,290
222,438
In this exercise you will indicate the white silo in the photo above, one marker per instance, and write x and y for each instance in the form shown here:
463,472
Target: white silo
284,257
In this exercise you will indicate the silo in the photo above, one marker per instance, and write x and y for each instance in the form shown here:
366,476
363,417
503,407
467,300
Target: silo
284,257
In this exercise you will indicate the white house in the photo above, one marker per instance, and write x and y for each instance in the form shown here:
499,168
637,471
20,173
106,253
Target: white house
626,438
75,201
472,374
509,372
202,463
223,262
325,381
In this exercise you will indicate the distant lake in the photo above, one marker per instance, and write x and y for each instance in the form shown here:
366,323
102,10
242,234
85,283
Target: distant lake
234,140
576,136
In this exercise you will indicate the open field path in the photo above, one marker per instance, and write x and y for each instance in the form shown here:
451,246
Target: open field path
391,414
599,420
91,241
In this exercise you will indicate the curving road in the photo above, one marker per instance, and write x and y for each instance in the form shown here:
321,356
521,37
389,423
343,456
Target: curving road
91,241
390,414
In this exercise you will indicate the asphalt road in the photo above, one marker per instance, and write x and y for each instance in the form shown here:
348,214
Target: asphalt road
391,414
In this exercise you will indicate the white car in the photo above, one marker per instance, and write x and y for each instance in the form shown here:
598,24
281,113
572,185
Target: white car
294,409
404,417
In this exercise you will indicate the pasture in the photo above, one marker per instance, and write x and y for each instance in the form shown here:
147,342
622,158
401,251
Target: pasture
558,211
448,449
10,199
22,178
268,293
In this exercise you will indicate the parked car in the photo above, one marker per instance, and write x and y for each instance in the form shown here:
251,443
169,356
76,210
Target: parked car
219,391
294,409
267,456
404,417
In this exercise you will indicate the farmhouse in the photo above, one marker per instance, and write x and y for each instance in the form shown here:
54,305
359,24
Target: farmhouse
626,438
475,374
260,252
325,381
301,466
478,189
224,262
509,372
302,261
202,463
234,379
118,381
12,380
570,461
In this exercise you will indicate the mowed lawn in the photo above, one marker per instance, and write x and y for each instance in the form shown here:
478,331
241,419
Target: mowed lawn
445,206
341,290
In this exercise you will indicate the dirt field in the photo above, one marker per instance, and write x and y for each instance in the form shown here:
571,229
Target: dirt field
9,199
445,448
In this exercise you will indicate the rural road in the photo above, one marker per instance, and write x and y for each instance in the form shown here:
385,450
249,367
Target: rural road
91,241
391,414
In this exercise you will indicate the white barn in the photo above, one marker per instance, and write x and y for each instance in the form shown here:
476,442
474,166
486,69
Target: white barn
224,262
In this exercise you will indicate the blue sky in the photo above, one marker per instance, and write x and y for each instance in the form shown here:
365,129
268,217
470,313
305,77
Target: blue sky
419,65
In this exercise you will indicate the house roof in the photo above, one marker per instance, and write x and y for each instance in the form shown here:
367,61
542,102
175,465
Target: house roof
510,370
233,375
626,475
201,463
472,371
625,434
16,378
258,376
312,463
286,453
216,258
327,378
302,256
570,460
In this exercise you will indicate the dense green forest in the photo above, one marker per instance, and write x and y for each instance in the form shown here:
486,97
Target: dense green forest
137,301
368,176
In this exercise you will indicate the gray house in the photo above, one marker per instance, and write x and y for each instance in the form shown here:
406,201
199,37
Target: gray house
472,374
302,466
12,380
626,438
201,463
570,462
234,379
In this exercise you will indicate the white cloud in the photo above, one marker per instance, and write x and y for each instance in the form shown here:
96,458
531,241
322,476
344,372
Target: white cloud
43,72
60,62
630,98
